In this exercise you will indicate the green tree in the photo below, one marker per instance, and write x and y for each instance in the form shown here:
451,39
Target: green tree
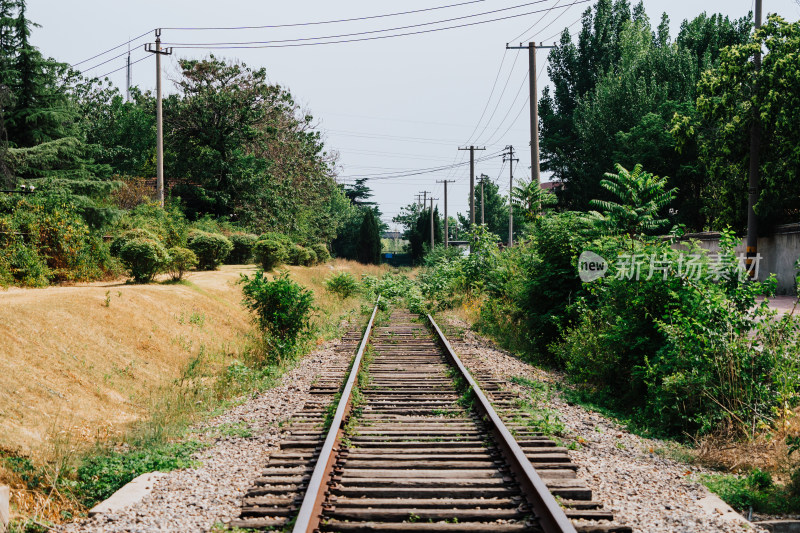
730,96
495,208
369,239
641,198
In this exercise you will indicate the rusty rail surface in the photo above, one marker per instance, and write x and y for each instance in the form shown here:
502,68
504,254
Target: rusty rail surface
550,515
308,516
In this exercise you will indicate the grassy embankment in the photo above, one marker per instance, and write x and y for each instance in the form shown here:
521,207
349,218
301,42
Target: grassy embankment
100,381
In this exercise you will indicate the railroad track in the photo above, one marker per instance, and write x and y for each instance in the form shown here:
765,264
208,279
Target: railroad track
414,443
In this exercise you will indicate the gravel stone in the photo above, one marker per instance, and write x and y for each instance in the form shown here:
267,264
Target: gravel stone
198,498
646,491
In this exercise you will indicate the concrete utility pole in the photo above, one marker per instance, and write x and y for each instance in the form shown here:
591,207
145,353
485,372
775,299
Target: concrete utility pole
158,51
433,242
446,222
419,199
751,249
534,103
510,158
484,177
128,75
472,181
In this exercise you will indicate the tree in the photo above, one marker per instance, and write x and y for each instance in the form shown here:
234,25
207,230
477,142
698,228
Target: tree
495,208
730,96
359,193
641,197
369,239
530,199
615,94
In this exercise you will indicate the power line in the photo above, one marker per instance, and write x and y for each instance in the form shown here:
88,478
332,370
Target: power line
369,32
234,46
414,172
371,17
122,67
112,49
551,23
537,22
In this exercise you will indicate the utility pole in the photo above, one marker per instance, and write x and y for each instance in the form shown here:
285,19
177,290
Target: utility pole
158,51
510,158
484,177
534,103
419,199
128,75
424,198
751,250
433,242
472,181
446,222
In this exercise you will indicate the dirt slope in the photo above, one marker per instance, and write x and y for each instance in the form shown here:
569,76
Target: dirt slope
81,361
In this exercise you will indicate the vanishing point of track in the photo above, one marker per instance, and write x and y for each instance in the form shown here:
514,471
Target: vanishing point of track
415,444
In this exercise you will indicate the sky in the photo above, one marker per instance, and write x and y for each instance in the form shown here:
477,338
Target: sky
388,106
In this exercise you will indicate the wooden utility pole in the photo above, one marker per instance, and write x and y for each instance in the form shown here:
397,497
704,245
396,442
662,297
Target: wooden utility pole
534,104
510,158
158,51
751,250
424,198
446,221
472,181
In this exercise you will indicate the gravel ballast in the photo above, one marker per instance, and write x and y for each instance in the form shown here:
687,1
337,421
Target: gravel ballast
646,491
196,499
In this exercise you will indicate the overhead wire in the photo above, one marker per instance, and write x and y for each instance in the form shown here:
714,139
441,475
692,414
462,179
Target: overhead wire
289,43
112,49
122,67
354,19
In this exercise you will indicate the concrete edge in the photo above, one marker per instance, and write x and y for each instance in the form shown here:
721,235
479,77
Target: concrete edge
780,526
130,494
713,504
5,508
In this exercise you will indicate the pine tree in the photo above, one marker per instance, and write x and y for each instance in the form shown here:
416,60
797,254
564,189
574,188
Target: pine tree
369,239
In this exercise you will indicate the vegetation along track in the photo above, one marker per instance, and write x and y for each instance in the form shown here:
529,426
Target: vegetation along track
415,445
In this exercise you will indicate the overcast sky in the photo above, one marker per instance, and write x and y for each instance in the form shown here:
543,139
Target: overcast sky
386,105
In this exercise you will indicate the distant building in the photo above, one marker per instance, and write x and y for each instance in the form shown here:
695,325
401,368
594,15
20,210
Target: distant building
391,235
552,186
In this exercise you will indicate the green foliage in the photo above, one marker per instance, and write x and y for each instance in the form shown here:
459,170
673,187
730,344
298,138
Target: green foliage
321,251
43,240
123,238
242,251
730,97
167,225
640,199
342,284
270,251
531,200
100,476
301,256
211,248
616,88
495,208
143,258
180,260
282,309
369,239
755,490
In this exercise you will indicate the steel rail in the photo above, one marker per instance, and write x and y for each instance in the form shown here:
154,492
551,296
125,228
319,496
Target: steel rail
548,512
308,517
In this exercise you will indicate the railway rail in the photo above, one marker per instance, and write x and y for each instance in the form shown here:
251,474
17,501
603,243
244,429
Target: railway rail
413,442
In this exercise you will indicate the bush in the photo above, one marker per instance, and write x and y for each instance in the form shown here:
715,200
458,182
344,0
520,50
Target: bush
343,284
43,240
242,251
301,256
128,235
211,249
270,252
143,258
167,225
282,308
180,260
323,255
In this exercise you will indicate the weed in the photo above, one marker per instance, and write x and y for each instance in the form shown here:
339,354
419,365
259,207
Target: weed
107,301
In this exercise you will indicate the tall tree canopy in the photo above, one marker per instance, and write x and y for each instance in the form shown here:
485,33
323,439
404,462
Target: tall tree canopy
615,93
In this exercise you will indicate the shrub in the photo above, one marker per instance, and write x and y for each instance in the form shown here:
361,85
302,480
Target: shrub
128,235
180,261
301,256
242,251
311,258
168,224
323,255
143,258
270,252
342,284
282,308
211,249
